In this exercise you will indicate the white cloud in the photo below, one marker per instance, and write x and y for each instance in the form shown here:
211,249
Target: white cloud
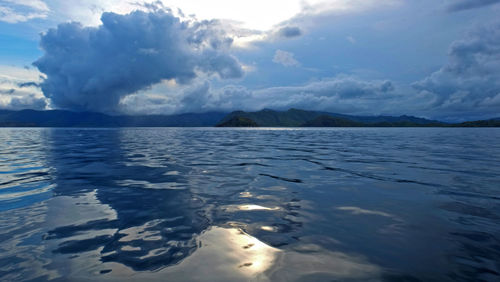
18,89
285,58
34,4
14,11
256,14
262,15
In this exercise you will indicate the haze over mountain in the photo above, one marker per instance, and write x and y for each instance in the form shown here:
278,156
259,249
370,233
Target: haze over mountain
59,118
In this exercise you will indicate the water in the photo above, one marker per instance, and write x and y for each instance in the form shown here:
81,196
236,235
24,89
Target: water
376,204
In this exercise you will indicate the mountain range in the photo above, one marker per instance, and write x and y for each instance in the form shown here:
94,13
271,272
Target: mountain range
301,118
263,118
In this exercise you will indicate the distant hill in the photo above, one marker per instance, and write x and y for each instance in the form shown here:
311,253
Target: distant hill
238,122
329,121
60,118
480,123
273,118
263,118
296,118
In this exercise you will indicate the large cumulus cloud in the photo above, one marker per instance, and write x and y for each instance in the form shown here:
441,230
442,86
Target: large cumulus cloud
93,68
469,84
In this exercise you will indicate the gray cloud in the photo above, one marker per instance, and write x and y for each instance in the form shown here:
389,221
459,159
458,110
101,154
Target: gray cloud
459,5
343,94
28,84
27,102
469,84
285,58
289,31
7,91
19,101
93,68
386,86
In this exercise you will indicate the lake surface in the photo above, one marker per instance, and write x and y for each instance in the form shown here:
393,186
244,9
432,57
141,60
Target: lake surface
213,204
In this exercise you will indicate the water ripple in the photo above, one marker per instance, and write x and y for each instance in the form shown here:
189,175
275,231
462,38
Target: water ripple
260,204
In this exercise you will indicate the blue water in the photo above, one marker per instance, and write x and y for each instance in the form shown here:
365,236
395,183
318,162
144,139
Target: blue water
183,204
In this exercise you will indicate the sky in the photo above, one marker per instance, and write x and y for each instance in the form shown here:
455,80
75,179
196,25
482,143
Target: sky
436,59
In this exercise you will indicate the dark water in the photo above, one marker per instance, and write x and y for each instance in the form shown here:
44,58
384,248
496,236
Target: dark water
231,205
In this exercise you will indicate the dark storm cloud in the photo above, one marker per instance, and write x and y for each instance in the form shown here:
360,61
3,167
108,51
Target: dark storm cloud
289,31
459,5
470,82
93,68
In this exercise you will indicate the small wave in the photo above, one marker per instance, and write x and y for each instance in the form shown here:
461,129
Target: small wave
24,195
250,164
376,177
294,180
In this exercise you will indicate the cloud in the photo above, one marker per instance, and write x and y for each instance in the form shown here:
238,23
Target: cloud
28,84
344,94
289,32
18,89
260,15
93,68
197,97
469,83
264,18
33,4
7,91
30,101
14,11
285,58
460,5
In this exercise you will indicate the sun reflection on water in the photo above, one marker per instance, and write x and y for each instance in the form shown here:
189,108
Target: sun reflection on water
249,207
226,254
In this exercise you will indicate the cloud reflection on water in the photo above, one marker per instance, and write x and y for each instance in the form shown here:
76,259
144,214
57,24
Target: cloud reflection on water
177,204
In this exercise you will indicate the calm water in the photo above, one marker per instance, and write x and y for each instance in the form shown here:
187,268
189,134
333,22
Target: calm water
233,204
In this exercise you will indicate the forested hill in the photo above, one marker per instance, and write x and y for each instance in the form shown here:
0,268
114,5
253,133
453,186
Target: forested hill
301,118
